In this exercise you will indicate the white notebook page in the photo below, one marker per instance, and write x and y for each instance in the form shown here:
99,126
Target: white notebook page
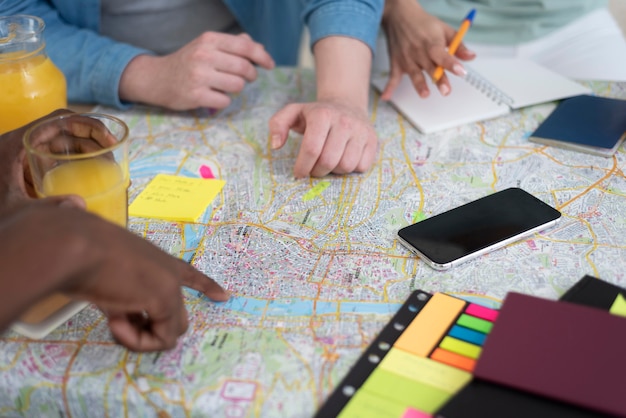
463,105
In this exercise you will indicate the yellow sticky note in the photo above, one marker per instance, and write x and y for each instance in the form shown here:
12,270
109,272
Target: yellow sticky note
619,306
175,198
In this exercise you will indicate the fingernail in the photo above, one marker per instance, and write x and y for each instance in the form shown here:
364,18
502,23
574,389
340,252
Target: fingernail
459,70
275,141
444,90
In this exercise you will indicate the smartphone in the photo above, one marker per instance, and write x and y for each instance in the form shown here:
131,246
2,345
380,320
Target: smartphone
478,227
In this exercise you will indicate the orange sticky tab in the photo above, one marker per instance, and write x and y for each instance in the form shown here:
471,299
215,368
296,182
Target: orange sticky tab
453,359
430,325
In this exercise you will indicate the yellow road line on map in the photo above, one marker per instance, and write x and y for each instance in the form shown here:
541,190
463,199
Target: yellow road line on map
66,373
15,359
592,185
593,248
181,164
409,163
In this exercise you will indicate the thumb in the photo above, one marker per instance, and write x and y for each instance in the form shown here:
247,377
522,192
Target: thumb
66,201
282,121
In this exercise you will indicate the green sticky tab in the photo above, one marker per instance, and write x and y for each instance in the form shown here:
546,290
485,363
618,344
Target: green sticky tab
367,405
474,323
619,306
405,391
460,347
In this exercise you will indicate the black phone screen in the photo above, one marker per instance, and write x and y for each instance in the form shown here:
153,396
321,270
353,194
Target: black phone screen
478,225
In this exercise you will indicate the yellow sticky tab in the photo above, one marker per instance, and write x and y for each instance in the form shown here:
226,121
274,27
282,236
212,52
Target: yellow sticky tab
619,306
175,198
425,370
425,331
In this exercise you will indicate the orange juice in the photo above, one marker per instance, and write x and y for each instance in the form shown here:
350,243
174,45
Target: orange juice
104,186
32,87
100,181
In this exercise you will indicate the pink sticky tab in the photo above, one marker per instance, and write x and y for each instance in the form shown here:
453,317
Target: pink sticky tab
414,413
481,312
206,173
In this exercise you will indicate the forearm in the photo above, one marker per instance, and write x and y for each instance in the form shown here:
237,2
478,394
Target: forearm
140,82
343,70
36,259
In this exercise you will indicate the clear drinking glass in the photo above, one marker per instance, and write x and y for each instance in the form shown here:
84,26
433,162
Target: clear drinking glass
83,154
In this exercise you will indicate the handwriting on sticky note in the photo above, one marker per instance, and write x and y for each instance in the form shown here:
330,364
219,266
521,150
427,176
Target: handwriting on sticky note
175,198
316,190
619,306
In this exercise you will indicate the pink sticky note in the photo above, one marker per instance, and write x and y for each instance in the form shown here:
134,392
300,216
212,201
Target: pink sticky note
206,173
414,413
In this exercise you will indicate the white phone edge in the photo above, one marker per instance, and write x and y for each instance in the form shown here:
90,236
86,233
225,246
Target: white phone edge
480,252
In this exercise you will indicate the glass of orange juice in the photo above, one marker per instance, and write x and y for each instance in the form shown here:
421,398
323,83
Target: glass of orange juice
32,86
83,154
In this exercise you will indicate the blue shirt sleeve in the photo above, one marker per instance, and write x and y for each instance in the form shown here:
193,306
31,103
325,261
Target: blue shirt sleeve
359,19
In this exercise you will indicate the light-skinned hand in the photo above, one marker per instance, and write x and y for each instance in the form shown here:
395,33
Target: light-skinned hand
417,43
337,138
200,74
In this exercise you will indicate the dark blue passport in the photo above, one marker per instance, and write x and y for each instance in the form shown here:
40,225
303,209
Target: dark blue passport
590,124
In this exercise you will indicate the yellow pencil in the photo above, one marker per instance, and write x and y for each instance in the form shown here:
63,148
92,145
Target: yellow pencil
456,41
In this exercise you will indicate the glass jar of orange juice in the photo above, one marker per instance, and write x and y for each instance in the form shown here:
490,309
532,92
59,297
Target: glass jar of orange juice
31,86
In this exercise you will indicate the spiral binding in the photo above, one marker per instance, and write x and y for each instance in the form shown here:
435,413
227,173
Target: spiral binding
487,88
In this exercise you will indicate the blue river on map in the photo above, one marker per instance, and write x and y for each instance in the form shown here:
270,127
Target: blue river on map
304,307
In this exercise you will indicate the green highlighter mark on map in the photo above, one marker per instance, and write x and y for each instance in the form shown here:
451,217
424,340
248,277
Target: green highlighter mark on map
418,216
316,190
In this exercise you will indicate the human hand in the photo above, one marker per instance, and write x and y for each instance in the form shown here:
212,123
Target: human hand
132,281
15,179
200,74
338,138
417,43
78,133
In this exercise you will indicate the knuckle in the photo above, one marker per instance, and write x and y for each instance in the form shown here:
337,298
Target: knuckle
238,84
208,37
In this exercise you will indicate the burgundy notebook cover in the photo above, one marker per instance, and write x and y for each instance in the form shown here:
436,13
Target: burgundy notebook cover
572,353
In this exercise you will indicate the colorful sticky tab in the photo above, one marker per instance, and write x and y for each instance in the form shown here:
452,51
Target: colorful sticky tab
482,312
425,370
474,323
453,359
467,334
367,405
175,198
423,334
619,306
460,347
405,391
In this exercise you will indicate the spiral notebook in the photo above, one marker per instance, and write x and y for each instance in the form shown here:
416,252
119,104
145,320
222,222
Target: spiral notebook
493,87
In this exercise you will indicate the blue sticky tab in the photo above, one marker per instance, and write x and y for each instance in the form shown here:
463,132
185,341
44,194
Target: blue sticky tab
467,334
